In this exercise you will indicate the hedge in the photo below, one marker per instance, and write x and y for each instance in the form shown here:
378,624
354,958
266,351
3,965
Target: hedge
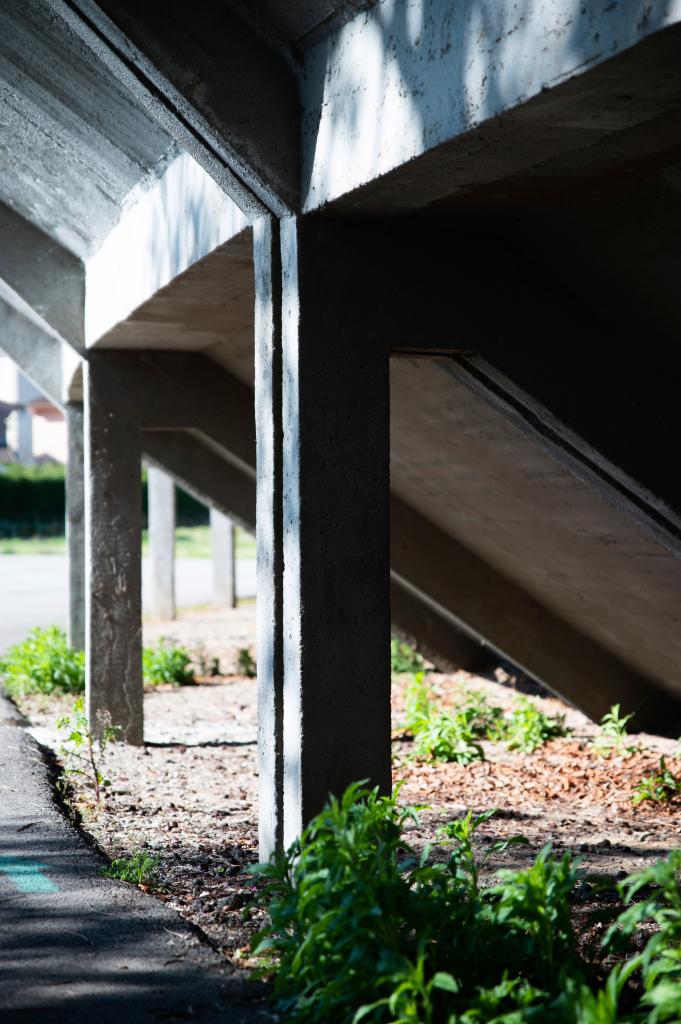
32,502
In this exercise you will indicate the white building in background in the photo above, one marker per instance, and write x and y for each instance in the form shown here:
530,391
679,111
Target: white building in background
36,431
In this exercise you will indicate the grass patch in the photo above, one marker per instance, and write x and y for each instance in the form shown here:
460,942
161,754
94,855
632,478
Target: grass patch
138,869
361,928
444,735
167,663
43,663
190,542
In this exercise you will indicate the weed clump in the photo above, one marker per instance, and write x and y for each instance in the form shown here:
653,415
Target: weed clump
612,738
166,663
660,787
455,735
82,752
246,665
138,869
43,663
361,928
403,657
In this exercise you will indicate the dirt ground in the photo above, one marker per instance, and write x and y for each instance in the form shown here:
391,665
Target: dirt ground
189,795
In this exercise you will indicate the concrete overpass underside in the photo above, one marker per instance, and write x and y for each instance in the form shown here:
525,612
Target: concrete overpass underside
397,291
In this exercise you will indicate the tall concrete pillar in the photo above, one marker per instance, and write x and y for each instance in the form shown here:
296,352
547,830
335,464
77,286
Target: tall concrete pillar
161,508
328,507
75,522
113,527
224,562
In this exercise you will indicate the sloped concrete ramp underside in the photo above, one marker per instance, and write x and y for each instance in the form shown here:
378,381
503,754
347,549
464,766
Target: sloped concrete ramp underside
479,480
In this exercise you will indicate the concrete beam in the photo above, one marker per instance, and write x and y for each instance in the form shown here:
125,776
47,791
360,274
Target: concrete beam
410,101
201,471
161,512
188,391
31,344
529,634
46,276
113,524
436,633
239,118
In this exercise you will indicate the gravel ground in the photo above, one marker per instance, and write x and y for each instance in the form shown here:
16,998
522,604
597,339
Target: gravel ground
189,795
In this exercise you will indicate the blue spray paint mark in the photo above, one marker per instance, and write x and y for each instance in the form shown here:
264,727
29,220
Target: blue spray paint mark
26,875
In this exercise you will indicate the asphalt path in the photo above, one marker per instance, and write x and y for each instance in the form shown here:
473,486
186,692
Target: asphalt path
76,947
33,590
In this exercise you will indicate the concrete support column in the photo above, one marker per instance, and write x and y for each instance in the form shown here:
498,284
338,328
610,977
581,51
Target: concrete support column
224,562
113,525
161,509
75,522
328,501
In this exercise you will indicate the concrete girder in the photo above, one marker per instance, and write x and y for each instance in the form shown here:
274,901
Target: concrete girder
529,634
411,102
242,126
203,473
46,276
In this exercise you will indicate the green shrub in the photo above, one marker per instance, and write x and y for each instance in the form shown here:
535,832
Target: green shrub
613,735
361,928
166,663
660,787
527,728
246,665
137,869
454,735
81,751
403,657
43,663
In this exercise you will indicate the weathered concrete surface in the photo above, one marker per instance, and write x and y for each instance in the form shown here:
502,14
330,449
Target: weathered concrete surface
113,525
245,102
202,471
477,480
406,80
82,947
335,487
161,513
224,565
75,522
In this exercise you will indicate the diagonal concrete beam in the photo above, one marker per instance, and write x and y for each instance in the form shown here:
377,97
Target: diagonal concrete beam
31,345
239,118
45,275
446,573
202,472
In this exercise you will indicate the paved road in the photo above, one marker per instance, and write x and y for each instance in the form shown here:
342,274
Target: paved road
33,590
75,947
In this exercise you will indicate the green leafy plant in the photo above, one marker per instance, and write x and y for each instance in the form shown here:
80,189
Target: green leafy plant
246,663
137,869
454,735
43,663
166,663
403,657
613,735
527,727
661,786
82,751
361,928
439,735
